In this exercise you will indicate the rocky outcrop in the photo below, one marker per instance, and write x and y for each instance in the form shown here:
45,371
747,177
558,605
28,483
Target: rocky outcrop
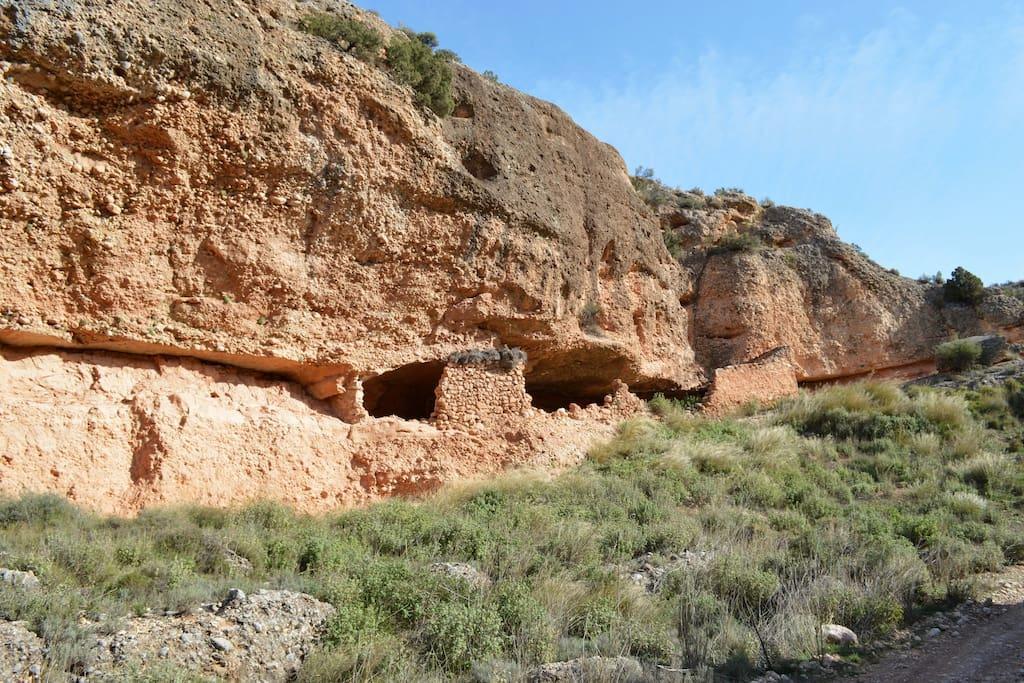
256,255
117,433
260,637
771,276
243,192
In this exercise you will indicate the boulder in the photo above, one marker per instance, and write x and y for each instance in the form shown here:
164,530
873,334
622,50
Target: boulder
834,634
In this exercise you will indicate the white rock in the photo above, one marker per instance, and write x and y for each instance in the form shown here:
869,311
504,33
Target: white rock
838,635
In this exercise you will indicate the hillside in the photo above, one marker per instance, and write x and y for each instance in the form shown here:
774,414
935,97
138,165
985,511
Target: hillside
683,549
325,358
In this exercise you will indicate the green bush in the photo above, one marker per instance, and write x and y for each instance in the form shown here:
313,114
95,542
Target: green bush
412,58
963,287
456,635
349,35
841,423
957,355
738,241
412,61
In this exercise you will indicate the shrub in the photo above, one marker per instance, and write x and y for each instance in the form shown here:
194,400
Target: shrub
412,61
840,423
738,241
674,243
456,635
958,355
964,287
1015,398
491,76
590,316
351,36
654,192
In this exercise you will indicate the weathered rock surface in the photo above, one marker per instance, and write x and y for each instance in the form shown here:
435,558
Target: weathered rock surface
794,283
201,179
19,579
246,192
260,637
116,433
584,669
21,652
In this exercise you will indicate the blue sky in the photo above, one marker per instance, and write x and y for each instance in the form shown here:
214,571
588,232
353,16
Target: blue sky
904,123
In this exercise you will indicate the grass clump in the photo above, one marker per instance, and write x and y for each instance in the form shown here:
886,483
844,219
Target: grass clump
654,192
958,355
862,504
738,241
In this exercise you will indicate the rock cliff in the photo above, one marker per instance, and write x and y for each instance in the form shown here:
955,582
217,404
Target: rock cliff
201,179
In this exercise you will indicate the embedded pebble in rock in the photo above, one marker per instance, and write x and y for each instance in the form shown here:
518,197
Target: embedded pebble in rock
260,637
20,650
222,644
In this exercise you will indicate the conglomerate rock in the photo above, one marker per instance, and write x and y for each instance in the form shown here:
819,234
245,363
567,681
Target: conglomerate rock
202,179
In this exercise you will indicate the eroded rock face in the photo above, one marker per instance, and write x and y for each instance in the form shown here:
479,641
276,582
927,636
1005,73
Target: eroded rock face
247,192
117,433
766,277
200,179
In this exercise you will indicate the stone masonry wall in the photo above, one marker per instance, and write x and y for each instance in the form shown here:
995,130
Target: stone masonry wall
765,379
480,393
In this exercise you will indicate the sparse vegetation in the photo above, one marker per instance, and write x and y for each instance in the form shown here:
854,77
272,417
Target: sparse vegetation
411,58
654,192
860,504
963,287
744,241
347,34
491,76
1014,289
590,316
958,355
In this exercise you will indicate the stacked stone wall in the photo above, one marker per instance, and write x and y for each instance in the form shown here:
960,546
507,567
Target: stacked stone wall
480,394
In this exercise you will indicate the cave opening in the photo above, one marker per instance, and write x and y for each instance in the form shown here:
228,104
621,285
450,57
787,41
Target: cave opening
406,392
551,397
583,376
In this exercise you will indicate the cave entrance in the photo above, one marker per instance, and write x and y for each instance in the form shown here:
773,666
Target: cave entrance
406,391
551,397
583,376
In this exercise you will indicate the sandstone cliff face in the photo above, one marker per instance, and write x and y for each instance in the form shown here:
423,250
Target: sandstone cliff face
208,180
200,179
766,277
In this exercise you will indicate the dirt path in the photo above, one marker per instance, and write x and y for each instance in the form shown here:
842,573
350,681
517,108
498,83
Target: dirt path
984,644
